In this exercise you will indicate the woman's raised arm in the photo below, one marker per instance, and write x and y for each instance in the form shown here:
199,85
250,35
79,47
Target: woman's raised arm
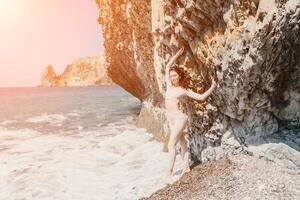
203,96
170,63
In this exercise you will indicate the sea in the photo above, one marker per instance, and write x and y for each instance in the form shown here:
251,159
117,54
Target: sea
76,143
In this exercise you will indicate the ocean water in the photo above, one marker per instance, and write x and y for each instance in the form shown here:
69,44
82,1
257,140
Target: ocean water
76,143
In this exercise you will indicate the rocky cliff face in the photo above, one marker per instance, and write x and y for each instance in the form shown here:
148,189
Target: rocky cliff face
252,48
82,72
129,47
49,77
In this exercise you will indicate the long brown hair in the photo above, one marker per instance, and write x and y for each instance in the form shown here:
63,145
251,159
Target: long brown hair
180,72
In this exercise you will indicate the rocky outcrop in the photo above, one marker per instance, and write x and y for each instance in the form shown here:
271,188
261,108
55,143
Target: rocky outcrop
129,46
252,48
49,77
129,55
82,72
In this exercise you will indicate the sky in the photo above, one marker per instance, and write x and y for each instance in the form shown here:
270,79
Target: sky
37,33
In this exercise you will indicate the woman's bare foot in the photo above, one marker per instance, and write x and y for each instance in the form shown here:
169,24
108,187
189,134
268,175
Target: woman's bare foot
169,177
169,173
185,170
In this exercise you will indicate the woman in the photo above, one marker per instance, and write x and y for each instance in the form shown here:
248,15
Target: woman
176,118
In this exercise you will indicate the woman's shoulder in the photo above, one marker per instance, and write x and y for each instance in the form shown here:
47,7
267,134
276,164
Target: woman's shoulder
185,90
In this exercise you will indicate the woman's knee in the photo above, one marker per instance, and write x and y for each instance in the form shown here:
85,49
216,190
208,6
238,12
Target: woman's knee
172,143
182,143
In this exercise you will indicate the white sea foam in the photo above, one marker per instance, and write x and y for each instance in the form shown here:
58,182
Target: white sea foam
6,122
118,161
50,118
73,114
79,127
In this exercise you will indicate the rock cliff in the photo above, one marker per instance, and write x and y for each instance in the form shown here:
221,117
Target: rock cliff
49,77
82,72
252,49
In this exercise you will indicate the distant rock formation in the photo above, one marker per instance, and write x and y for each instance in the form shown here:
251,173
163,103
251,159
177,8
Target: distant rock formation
82,72
49,77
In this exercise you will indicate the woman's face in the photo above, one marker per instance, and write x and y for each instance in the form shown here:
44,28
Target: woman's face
174,77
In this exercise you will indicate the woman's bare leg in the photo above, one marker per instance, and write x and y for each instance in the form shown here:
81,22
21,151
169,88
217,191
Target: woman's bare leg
185,154
182,147
176,132
172,153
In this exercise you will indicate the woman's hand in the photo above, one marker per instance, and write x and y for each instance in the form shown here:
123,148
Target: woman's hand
213,84
173,59
181,50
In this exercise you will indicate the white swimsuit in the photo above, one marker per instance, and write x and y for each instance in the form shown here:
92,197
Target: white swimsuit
177,117
175,94
181,92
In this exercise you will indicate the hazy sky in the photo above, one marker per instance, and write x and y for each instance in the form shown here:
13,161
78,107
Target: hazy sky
36,33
